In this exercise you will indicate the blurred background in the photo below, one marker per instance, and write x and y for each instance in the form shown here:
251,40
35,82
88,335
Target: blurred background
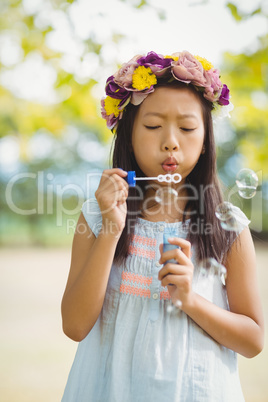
55,56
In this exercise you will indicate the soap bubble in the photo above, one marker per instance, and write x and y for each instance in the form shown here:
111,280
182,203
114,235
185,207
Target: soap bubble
224,212
174,307
210,267
247,183
166,195
178,304
170,308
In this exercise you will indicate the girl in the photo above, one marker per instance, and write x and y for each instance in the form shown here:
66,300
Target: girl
121,283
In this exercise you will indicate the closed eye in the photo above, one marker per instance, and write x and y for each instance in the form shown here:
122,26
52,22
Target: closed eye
152,127
187,130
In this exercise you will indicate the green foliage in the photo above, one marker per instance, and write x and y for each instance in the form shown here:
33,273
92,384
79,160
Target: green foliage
137,4
247,78
239,15
23,118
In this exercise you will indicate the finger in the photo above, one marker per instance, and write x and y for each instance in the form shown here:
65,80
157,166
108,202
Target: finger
110,201
120,196
173,269
118,171
111,175
117,186
169,280
179,281
115,179
185,245
176,254
113,183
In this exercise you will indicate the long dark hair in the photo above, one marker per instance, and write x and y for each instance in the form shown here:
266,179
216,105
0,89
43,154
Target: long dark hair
204,229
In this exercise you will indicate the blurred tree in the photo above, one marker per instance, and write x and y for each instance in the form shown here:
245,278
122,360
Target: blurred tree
247,74
248,77
64,113
26,36
72,103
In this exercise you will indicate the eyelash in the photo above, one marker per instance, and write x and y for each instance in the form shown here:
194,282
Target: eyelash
152,127
187,130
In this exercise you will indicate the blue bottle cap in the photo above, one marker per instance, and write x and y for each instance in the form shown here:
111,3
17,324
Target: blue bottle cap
131,178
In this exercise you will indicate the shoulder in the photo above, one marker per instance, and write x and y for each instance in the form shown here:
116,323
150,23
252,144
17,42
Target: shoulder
241,219
92,215
235,222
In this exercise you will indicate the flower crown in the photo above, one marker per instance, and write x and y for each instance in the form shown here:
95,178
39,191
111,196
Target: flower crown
136,79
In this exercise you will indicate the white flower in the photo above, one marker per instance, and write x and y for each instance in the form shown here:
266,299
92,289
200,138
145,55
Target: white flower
220,112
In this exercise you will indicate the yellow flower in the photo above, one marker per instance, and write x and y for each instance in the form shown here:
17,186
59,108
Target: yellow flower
205,63
143,78
175,58
111,106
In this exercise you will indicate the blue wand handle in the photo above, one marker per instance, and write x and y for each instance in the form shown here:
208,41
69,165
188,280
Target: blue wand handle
167,246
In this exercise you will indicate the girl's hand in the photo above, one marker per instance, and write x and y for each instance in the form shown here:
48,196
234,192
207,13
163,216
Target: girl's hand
111,196
179,275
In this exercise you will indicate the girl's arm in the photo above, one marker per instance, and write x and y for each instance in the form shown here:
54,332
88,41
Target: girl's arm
240,329
86,286
92,258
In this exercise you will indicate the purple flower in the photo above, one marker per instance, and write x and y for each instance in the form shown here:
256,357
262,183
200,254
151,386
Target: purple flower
115,91
224,98
189,70
157,63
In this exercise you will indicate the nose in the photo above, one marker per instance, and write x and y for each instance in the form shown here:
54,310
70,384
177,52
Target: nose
170,141
171,147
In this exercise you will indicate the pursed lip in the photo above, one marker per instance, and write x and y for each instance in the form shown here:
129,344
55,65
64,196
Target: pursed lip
170,164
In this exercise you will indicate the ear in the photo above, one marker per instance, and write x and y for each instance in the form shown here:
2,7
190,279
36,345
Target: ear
203,149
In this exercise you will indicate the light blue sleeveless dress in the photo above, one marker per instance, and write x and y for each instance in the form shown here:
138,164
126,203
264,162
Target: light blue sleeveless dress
139,351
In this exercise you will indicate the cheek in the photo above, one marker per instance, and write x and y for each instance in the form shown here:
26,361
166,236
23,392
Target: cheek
142,144
194,144
141,153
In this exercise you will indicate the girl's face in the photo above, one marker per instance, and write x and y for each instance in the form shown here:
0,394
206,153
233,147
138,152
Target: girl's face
169,123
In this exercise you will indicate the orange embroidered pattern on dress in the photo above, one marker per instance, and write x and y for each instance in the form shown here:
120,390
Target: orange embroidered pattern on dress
135,284
146,241
143,247
164,295
132,290
141,252
130,276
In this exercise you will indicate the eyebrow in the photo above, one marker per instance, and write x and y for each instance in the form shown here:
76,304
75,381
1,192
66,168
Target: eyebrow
184,115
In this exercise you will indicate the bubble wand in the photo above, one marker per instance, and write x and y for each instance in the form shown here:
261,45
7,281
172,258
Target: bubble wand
168,178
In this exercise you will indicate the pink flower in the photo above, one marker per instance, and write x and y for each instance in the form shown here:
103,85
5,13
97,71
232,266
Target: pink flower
189,70
138,97
214,85
123,77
